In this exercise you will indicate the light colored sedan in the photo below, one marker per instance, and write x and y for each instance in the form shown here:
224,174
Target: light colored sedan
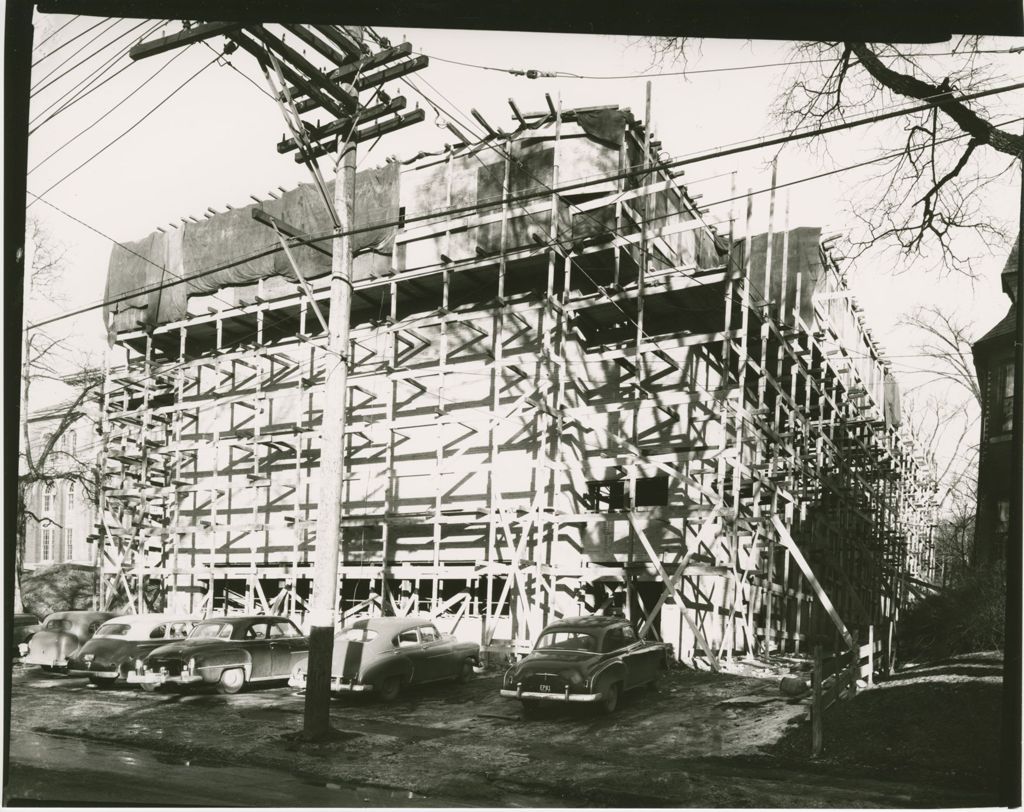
386,654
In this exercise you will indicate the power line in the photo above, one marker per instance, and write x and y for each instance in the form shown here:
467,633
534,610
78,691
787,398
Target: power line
77,93
50,36
75,137
150,112
39,86
532,73
273,247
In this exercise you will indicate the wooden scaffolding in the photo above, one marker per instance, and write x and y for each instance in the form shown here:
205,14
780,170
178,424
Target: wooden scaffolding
570,396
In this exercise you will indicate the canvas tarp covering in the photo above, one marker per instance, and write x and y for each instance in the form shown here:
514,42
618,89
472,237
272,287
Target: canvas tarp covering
803,262
196,248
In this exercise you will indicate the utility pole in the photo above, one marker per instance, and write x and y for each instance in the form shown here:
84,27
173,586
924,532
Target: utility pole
317,717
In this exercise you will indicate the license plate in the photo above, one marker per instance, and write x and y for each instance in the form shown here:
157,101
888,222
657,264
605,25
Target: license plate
545,688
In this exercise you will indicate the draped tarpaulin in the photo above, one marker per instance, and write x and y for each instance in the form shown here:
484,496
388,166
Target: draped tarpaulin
202,247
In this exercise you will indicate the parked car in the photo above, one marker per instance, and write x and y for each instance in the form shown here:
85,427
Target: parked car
60,636
23,627
118,643
387,654
585,659
227,652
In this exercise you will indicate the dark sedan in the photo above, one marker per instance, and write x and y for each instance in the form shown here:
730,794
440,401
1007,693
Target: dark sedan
585,659
228,652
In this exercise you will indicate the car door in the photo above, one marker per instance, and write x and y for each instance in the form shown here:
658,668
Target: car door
638,657
256,641
438,653
286,646
411,648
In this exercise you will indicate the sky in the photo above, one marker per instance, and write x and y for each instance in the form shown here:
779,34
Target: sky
213,143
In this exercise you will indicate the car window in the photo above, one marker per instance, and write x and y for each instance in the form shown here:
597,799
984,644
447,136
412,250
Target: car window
357,635
629,635
284,628
256,631
159,632
407,638
179,630
60,625
428,634
614,639
221,630
113,630
93,627
568,640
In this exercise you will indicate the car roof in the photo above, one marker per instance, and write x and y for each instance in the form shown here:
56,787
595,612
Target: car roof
148,621
81,615
238,620
391,625
589,622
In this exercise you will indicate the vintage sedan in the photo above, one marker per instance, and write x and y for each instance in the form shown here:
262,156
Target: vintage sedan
22,629
387,654
60,636
118,643
227,652
585,659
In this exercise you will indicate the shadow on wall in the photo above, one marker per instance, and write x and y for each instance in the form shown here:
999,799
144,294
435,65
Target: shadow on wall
59,588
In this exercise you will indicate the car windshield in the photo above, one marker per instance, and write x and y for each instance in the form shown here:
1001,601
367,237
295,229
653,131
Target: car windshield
221,630
567,640
357,635
113,630
58,625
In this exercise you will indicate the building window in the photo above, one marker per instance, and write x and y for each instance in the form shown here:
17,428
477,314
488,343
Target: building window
609,494
49,495
651,491
71,496
1006,399
46,544
70,441
69,545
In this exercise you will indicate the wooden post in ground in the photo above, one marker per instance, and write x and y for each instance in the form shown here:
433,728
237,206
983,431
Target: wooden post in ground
317,715
816,706
871,655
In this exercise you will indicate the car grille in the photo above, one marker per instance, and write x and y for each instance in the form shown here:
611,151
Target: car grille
545,683
173,666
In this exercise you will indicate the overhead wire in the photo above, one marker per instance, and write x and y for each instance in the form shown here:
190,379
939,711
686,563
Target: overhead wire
42,83
111,110
50,36
86,86
109,144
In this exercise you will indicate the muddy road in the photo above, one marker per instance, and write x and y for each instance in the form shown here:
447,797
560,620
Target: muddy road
697,740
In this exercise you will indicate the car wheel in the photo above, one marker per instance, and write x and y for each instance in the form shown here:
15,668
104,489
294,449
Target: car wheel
149,687
465,671
389,689
49,669
609,699
231,681
103,682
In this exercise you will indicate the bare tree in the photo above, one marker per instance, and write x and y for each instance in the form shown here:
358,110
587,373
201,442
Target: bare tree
48,460
925,194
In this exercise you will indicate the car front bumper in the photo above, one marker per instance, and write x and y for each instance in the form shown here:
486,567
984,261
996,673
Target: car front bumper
39,659
94,672
337,684
158,678
563,696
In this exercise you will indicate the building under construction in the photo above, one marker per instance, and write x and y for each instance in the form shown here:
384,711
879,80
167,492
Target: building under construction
567,394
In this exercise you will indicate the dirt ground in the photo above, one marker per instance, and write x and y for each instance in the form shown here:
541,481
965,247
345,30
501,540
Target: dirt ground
699,739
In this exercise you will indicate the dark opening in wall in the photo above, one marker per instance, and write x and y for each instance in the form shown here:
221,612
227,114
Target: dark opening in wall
651,491
609,494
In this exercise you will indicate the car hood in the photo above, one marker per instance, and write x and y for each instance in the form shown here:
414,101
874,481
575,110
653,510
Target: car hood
557,662
186,648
